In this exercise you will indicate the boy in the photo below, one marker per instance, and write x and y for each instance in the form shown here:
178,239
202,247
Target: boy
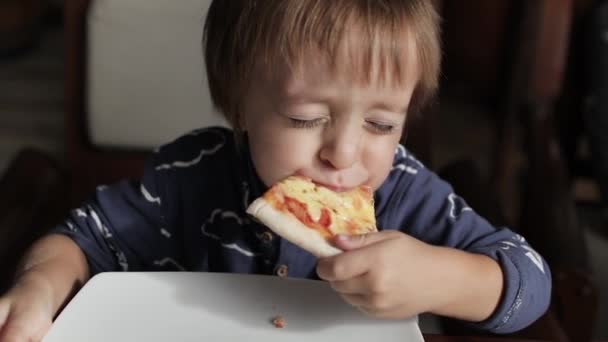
321,89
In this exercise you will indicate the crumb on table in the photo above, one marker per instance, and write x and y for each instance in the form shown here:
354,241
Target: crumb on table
279,322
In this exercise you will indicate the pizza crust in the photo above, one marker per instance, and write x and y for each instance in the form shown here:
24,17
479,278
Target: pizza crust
291,229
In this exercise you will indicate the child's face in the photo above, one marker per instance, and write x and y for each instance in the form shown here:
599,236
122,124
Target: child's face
325,126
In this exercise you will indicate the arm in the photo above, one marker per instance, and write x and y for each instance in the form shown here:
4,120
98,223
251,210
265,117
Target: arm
137,225
444,258
475,284
125,226
51,272
392,275
128,226
56,266
426,208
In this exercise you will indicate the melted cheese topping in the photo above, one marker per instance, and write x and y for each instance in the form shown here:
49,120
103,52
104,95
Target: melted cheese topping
350,212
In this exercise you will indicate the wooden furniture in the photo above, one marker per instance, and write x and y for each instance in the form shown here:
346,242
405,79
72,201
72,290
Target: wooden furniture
20,25
548,216
518,64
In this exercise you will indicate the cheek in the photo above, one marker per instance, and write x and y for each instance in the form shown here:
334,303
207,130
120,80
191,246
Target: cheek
379,161
277,155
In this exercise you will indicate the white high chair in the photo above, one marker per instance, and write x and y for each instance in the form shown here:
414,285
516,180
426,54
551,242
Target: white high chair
135,80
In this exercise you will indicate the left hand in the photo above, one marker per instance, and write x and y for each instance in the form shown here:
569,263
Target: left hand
386,274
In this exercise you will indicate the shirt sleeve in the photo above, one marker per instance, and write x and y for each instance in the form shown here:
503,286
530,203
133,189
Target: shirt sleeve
422,205
125,226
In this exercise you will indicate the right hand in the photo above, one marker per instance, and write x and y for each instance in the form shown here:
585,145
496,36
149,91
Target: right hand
25,313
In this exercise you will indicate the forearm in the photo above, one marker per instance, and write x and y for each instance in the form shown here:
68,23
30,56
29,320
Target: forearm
56,266
471,284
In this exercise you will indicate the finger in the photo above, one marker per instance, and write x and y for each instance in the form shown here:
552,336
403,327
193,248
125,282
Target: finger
356,300
364,304
394,313
351,242
19,324
345,266
19,329
4,310
350,287
42,331
12,332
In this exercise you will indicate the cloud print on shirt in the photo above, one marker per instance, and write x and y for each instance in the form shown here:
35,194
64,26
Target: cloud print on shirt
216,225
205,151
457,206
407,162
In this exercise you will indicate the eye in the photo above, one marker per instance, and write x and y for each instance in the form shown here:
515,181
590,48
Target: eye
301,123
380,128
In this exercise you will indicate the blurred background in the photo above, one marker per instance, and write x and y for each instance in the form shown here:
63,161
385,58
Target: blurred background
520,126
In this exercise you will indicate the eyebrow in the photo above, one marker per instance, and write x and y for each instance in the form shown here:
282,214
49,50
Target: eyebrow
304,97
391,108
301,99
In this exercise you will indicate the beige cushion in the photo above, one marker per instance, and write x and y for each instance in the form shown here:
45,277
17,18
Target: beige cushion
146,77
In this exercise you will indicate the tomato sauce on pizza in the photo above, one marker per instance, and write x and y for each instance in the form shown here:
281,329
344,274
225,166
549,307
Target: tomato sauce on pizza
310,215
319,208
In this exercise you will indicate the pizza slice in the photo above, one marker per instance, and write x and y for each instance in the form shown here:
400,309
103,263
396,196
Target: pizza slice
311,215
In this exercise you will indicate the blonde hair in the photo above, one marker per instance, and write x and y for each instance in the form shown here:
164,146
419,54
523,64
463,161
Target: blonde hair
241,34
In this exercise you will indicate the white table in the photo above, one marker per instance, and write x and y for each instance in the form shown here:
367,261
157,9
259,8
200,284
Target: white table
216,307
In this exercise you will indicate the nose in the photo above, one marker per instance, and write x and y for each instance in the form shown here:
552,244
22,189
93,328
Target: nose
341,147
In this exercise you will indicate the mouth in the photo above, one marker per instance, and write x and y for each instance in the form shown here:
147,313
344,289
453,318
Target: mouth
334,188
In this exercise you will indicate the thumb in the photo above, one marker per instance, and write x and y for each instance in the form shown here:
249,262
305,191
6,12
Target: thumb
351,242
4,311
